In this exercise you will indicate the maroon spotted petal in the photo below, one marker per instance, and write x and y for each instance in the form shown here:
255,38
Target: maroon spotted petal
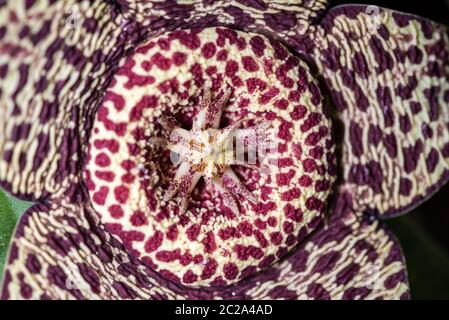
63,253
389,83
275,18
55,61
123,237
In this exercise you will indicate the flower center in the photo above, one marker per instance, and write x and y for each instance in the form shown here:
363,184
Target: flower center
243,163
208,152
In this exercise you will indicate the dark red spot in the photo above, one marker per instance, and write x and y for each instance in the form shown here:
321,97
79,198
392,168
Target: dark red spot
260,238
285,162
160,61
264,208
117,100
172,232
197,73
144,103
102,160
118,128
309,165
116,211
405,187
146,65
164,43
179,58
245,228
285,178
208,50
249,64
258,45
121,194
99,197
316,152
154,242
230,271
209,269
267,261
432,160
185,259
110,144
297,150
222,55
227,233
294,96
128,164
138,219
255,83
211,70
128,178
231,68
188,39
144,49
105,175
284,131
298,112
270,115
167,256
312,121
276,238
193,232
198,259
189,277
260,224
281,104
291,194
314,203
287,227
266,97
322,185
272,221
292,213
209,242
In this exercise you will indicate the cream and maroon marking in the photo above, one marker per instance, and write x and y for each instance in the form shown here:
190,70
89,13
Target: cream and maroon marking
208,243
209,152
391,89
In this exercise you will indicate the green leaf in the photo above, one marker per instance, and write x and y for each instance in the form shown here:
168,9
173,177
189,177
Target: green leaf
10,210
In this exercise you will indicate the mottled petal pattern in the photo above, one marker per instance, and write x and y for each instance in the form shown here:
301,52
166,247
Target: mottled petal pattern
388,76
55,59
61,252
285,20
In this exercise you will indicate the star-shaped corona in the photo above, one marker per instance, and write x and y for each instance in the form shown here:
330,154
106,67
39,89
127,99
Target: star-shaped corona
207,151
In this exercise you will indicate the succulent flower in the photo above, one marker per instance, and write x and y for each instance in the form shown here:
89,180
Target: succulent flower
132,124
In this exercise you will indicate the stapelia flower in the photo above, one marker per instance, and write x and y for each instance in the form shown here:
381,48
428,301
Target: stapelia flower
97,96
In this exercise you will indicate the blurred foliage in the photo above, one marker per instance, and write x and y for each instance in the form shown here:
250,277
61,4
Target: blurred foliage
10,211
